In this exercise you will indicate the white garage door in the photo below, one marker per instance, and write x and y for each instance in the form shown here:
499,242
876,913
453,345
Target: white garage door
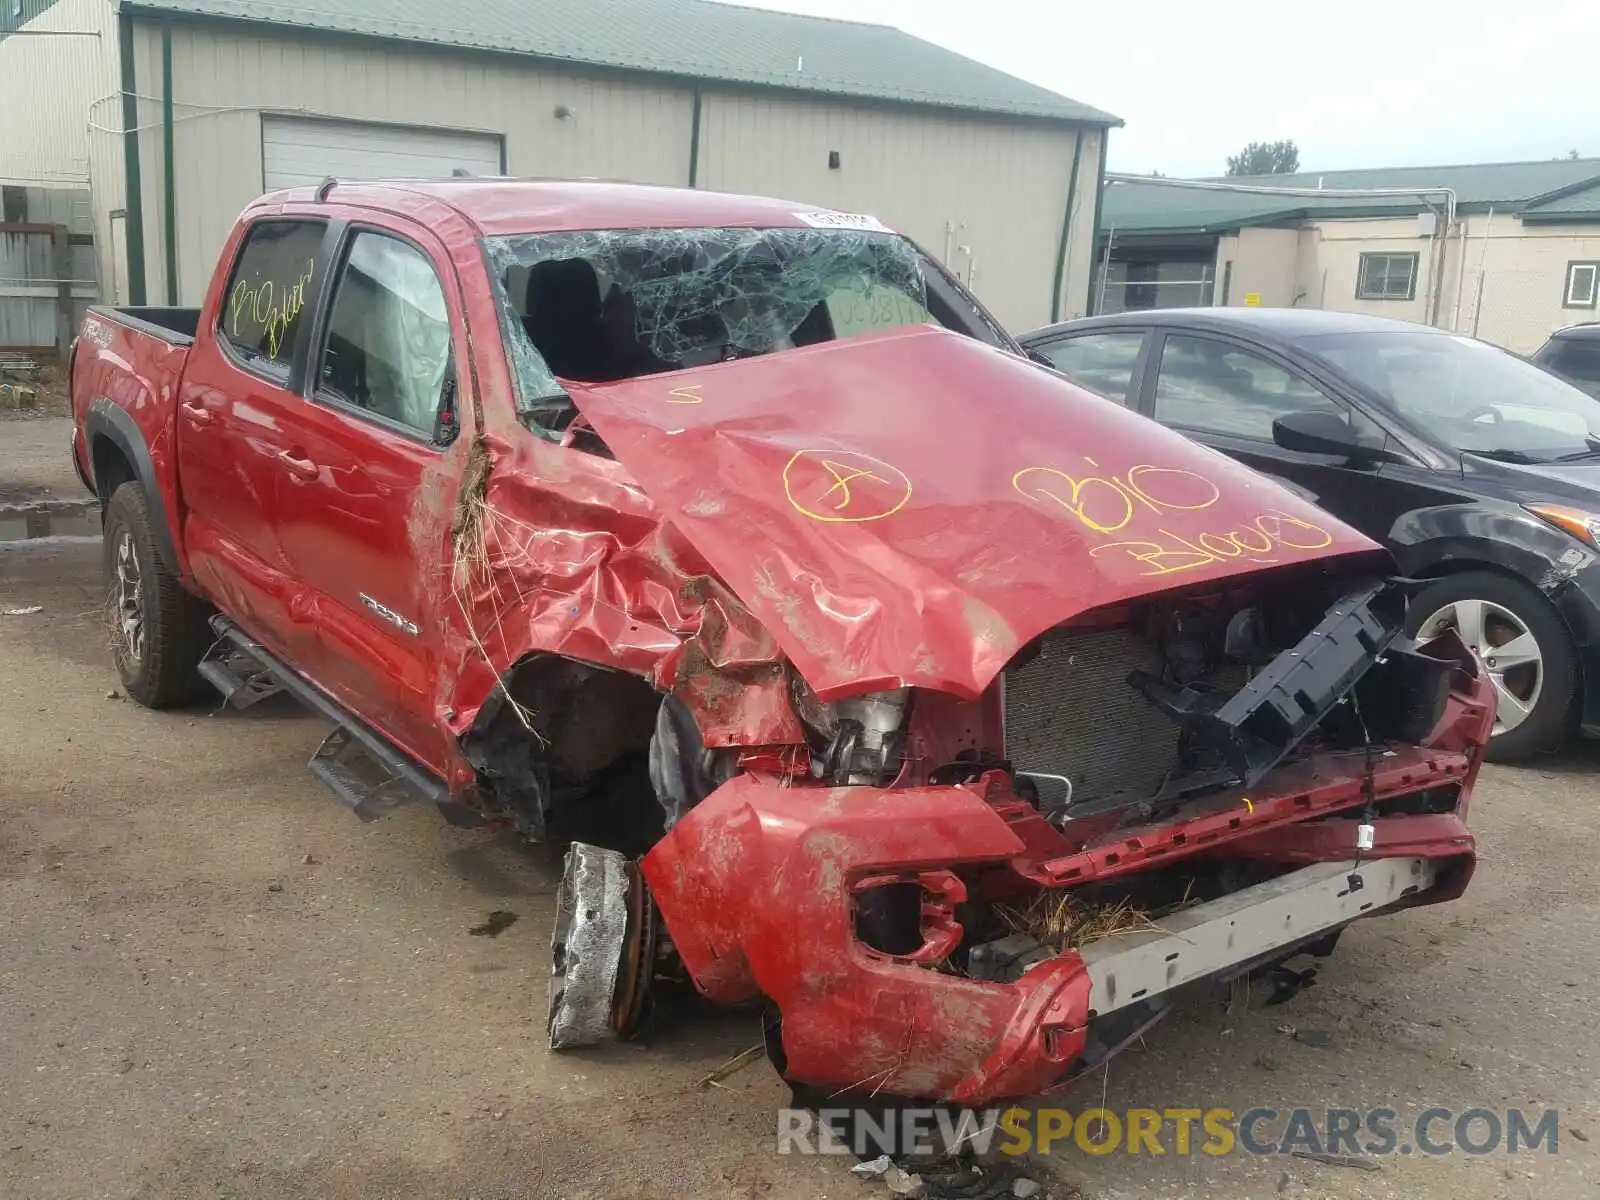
296,152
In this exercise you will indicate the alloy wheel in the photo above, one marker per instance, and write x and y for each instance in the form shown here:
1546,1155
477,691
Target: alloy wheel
129,597
1506,648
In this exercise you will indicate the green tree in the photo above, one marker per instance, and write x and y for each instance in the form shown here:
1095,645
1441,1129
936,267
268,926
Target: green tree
1266,158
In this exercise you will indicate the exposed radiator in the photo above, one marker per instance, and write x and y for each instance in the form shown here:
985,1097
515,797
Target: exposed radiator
1070,712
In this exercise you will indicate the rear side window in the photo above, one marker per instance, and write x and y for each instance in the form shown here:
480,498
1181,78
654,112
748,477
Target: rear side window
1101,362
273,280
1575,359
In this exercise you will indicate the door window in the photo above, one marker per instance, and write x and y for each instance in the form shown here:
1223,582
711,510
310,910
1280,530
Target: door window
1576,359
1101,362
1216,387
272,281
388,346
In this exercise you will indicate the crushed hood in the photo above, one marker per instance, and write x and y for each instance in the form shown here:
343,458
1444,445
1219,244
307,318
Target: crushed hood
911,508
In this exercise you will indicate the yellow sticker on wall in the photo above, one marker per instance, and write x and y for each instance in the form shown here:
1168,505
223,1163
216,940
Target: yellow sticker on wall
1252,299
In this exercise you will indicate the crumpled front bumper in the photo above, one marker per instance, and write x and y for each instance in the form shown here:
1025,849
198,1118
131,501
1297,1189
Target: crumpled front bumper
758,888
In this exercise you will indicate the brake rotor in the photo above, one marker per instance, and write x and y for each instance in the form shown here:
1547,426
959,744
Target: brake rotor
637,968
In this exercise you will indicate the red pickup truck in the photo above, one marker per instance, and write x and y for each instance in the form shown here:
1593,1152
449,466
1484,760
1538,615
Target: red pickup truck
866,664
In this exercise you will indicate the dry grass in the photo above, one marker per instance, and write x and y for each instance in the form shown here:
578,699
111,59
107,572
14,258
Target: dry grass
469,520
472,523
1063,921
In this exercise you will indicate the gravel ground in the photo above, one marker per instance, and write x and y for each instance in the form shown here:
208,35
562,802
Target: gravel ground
216,982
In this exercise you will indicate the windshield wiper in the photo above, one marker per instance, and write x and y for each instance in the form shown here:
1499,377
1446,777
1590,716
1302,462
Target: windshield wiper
1579,455
1513,456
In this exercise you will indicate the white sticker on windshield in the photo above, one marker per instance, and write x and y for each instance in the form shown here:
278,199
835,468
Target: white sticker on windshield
840,220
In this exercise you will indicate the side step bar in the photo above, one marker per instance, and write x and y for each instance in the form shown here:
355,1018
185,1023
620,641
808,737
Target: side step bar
360,766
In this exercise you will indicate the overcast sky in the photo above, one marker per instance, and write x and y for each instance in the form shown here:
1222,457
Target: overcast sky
1357,83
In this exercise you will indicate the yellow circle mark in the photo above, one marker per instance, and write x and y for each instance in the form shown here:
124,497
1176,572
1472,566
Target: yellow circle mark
1166,487
843,487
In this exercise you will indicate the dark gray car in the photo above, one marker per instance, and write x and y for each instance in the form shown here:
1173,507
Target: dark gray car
1574,354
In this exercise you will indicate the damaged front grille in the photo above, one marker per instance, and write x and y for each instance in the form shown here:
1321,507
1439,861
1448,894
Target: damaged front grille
1071,713
1185,702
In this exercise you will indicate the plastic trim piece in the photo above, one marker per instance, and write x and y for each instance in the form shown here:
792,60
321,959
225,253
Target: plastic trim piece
1241,928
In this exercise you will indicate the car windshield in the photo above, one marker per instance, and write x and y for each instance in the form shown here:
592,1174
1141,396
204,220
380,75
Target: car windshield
1474,396
596,307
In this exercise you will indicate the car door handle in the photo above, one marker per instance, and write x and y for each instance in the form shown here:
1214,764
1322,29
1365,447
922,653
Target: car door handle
196,411
297,463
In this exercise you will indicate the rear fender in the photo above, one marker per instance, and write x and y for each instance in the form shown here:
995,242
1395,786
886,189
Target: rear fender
109,433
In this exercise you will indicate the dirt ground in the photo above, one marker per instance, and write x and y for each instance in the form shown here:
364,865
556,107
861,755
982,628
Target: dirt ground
216,982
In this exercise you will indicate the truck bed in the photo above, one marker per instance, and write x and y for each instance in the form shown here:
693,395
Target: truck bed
176,325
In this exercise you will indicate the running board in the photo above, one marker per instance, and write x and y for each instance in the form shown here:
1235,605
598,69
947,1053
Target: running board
362,768
239,676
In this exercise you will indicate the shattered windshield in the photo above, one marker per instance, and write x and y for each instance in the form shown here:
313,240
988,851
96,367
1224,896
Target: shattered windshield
600,306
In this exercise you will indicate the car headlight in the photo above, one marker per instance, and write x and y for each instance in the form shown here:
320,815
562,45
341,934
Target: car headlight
861,739
1585,526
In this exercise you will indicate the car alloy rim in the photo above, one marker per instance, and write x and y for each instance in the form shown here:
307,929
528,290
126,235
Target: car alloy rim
130,597
1506,648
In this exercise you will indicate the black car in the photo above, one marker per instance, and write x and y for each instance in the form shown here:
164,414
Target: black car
1479,471
1574,354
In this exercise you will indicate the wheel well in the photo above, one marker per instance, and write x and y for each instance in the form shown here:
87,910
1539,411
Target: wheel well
111,466
1463,566
562,749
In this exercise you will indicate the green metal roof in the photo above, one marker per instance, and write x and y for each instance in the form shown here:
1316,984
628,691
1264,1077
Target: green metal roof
697,39
1581,204
1555,189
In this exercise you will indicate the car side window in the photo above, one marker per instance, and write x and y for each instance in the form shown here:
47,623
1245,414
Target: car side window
387,350
1101,362
273,279
1216,387
1577,360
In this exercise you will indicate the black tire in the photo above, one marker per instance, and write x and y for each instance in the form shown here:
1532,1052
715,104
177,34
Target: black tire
158,661
1550,721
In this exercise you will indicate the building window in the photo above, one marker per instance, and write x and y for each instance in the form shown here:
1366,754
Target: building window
1133,285
1583,283
1387,277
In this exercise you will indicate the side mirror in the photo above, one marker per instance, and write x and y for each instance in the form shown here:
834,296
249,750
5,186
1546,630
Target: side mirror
1322,433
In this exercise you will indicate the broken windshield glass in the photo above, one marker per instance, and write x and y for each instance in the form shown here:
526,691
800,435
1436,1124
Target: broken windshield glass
615,304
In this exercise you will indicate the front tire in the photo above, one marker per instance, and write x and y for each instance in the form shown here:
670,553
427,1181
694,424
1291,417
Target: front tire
1523,644
159,630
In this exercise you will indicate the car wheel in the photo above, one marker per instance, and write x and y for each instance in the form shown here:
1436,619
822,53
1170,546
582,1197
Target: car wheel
1523,645
158,629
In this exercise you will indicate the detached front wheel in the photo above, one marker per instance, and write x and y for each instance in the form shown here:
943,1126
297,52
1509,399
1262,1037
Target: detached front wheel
1521,643
158,630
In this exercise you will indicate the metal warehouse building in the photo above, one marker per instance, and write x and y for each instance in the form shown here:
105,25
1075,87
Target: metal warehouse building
207,103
